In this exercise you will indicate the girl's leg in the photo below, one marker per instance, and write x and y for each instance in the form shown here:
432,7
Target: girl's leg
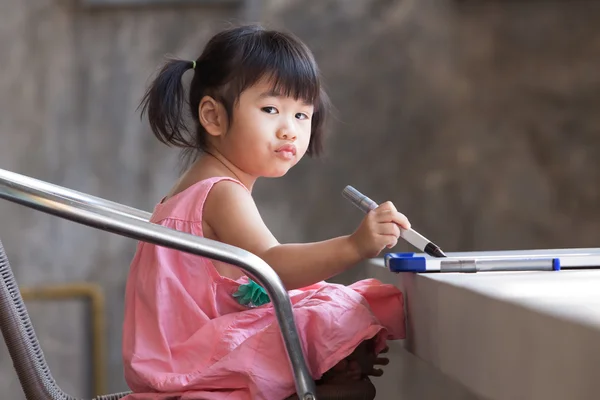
360,364
351,390
349,379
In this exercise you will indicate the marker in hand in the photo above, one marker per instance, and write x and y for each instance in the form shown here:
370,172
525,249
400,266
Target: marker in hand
365,204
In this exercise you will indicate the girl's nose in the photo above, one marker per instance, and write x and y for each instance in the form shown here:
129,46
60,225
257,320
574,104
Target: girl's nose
286,134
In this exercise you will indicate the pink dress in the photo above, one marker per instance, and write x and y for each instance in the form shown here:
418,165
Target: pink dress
186,337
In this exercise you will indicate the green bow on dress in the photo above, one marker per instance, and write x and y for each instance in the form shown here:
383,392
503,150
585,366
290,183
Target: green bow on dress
251,294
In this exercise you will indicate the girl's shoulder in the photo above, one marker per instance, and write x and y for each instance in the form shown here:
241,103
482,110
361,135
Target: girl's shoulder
188,204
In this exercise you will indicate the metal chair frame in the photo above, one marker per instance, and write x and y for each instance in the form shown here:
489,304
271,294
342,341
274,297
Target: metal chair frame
28,359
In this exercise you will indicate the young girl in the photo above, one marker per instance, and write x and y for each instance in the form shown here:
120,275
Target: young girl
199,329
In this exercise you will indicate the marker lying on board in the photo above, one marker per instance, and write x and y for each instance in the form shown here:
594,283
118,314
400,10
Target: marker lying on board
365,204
408,262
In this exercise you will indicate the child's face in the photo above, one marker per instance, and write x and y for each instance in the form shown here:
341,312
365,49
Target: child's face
269,133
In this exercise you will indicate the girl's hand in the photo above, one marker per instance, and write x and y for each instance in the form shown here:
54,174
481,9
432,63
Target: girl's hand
379,229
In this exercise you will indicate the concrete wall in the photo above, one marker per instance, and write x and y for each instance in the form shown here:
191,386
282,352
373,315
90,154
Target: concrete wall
70,84
477,118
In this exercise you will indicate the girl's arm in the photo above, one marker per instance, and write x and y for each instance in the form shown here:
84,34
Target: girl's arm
232,215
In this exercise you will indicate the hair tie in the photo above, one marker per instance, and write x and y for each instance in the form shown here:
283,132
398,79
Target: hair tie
193,64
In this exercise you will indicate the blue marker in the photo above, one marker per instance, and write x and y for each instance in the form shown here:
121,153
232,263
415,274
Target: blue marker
410,262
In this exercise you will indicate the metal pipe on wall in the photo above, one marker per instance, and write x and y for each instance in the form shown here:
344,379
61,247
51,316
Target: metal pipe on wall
94,294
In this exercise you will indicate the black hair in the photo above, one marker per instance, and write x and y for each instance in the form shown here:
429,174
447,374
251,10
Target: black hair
232,61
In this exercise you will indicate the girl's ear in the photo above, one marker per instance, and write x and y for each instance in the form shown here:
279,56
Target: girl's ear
212,116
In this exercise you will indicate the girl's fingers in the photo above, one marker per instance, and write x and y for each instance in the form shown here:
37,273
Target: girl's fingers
389,229
388,215
401,220
391,241
382,361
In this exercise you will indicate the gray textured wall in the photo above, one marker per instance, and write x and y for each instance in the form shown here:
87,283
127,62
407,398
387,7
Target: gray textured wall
70,84
477,118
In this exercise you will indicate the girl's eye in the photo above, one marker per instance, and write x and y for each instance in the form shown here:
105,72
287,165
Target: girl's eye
301,116
269,110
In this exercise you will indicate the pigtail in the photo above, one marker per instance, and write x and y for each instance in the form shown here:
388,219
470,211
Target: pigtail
164,102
